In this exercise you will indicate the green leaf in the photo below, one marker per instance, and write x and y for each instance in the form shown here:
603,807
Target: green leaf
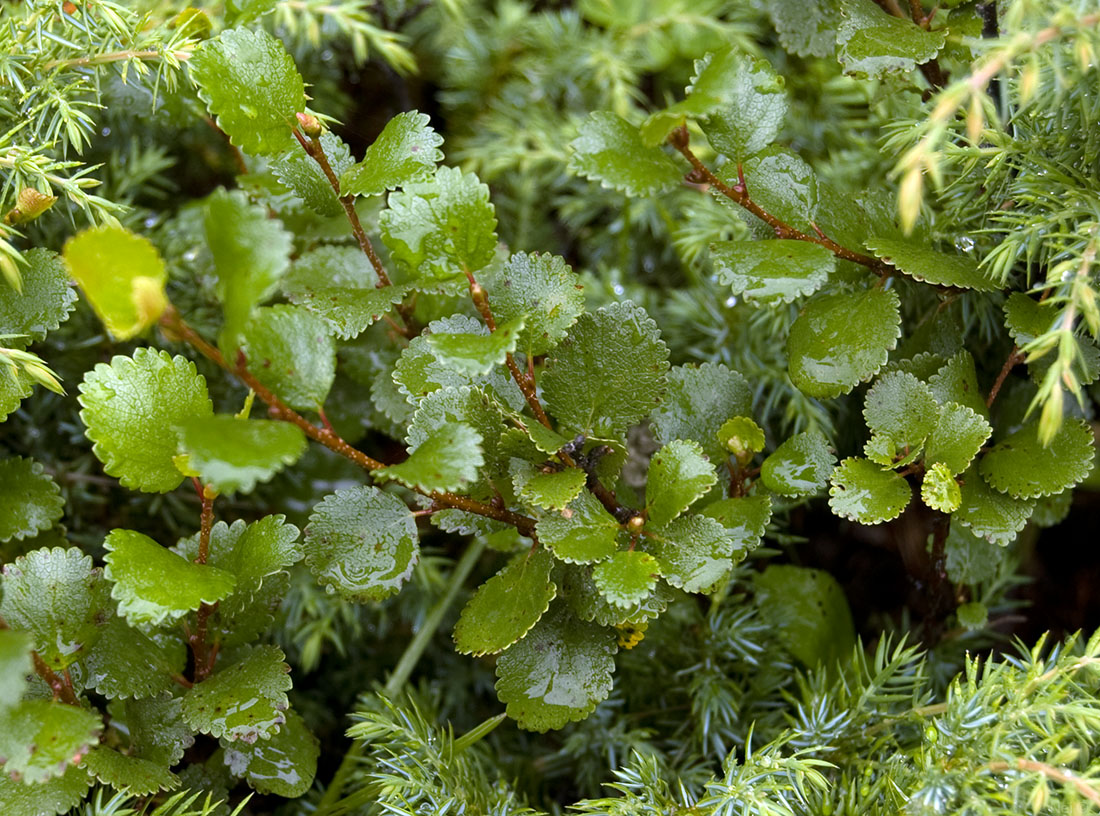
55,796
127,662
250,253
587,603
56,596
14,387
741,437
122,275
773,270
1052,510
231,453
973,615
153,584
679,474
243,701
627,578
135,776
505,607
801,466
970,559
1023,467
610,150
862,491
582,533
1026,318
298,171
441,227
874,43
694,552
15,665
45,302
901,407
608,372
250,84
550,490
780,182
957,381
558,673
283,765
926,264
477,353
30,501
809,611
40,739
290,351
958,436
155,727
939,490
541,288
989,514
745,518
469,406
841,339
362,543
699,400
805,27
407,150
132,408
449,459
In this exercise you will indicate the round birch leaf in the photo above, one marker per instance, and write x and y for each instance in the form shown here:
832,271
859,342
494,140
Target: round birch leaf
810,612
449,459
155,727
298,171
54,796
970,559
45,302
700,398
40,739
243,701
679,474
1027,318
841,339
901,407
610,150
290,351
15,665
694,552
957,381
131,409
545,290
582,533
740,101
231,453
587,603
153,584
505,607
135,776
772,270
927,265
406,150
465,405
872,42
283,765
627,577
56,596
742,437
801,466
862,491
250,84
745,518
1052,510
1022,467
549,491
127,662
973,615
558,673
15,386
30,501
958,436
362,543
477,354
989,514
939,490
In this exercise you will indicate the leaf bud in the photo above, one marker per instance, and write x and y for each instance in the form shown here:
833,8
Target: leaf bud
29,204
635,524
310,124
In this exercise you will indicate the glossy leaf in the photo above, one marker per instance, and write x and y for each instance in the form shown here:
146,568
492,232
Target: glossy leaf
1023,467
862,491
43,305
872,42
15,386
477,353
548,489
153,584
362,543
505,607
131,409
694,552
939,490
782,183
742,438
541,288
304,177
126,662
627,577
55,796
957,381
774,270
805,27
231,453
250,84
801,466
970,559
608,372
582,533
679,474
587,603
449,459
926,264
155,728
40,739
122,275
15,665
744,518
610,150
993,516
465,405
700,398
841,339
290,351
957,437
284,764
407,150
242,701
809,611
135,776
558,673
30,501
901,407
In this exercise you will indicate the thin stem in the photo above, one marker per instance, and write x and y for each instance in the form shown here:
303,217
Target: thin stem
60,684
405,665
1065,777
739,194
204,656
1014,358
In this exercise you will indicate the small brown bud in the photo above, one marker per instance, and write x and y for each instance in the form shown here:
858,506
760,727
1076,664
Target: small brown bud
310,124
679,137
29,204
635,524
